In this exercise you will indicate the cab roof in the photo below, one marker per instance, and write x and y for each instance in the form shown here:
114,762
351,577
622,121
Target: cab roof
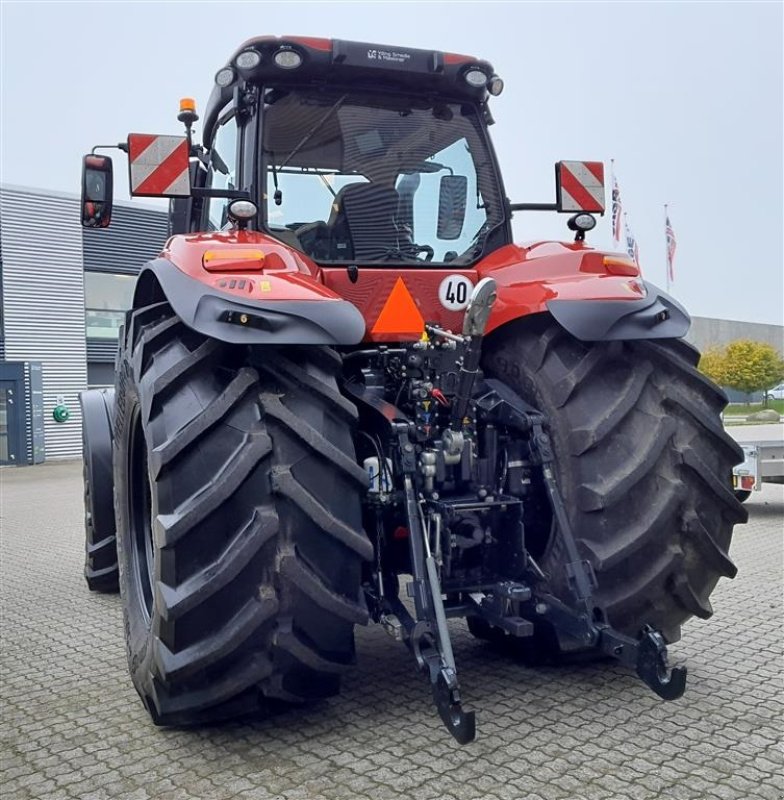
281,60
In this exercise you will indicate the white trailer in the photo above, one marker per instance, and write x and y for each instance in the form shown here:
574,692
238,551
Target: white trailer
764,458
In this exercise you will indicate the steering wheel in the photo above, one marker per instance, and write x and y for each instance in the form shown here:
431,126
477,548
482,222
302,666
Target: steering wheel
412,251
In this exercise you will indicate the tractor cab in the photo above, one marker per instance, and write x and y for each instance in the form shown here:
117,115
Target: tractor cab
348,153
358,153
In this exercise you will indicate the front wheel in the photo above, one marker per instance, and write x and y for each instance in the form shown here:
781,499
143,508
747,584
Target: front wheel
643,464
239,522
100,546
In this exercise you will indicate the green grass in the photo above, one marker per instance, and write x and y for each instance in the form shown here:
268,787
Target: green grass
742,409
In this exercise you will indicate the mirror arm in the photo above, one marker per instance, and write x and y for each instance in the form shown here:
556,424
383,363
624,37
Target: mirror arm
232,194
119,146
533,206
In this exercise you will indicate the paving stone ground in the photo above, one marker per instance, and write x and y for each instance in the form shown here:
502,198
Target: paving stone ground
73,727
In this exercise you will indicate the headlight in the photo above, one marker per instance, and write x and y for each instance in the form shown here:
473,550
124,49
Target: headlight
242,210
287,59
225,77
583,222
476,78
495,86
248,59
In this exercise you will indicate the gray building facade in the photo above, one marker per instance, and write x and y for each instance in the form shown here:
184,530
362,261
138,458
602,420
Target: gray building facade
706,332
63,291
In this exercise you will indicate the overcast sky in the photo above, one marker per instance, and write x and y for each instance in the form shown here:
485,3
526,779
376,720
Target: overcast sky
686,97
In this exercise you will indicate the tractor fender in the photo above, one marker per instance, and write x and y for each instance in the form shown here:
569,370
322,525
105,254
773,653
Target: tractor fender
655,316
326,319
594,295
97,443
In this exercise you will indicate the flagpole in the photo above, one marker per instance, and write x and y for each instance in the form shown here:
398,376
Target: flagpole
666,251
612,189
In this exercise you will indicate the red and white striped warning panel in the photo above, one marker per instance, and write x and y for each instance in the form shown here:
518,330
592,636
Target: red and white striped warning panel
581,186
158,165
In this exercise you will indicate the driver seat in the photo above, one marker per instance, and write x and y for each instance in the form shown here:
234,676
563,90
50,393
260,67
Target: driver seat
363,223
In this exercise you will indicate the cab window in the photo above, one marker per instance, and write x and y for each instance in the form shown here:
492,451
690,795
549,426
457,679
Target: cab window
391,179
222,170
421,194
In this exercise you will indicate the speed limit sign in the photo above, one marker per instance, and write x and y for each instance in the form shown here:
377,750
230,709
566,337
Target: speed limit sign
454,292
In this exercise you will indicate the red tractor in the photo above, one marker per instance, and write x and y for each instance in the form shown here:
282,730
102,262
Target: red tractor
341,372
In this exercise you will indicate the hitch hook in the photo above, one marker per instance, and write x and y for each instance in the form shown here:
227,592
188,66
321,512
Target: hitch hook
446,696
653,669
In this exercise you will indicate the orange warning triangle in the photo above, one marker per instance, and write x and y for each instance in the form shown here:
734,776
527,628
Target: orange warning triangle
400,314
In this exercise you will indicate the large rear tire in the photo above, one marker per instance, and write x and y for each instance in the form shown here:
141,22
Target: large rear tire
239,522
643,463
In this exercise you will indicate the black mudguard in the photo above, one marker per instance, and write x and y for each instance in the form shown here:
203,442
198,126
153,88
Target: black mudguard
655,316
226,317
97,439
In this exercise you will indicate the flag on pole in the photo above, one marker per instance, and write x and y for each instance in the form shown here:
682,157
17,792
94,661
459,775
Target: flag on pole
671,245
617,209
631,243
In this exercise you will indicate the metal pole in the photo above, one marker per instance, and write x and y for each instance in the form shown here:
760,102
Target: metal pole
666,251
614,206
612,201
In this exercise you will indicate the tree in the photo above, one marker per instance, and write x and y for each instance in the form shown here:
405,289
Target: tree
745,365
712,364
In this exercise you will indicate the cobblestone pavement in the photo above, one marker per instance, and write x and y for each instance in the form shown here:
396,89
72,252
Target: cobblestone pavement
73,727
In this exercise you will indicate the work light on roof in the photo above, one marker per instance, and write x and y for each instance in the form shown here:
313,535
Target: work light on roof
495,86
286,58
476,78
225,77
248,59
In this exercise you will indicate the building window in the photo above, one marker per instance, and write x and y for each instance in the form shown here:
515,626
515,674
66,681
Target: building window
106,298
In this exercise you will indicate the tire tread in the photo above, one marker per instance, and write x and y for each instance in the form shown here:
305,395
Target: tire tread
239,613
644,466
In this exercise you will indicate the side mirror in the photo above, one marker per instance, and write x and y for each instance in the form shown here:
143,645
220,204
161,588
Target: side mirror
579,186
96,191
452,197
